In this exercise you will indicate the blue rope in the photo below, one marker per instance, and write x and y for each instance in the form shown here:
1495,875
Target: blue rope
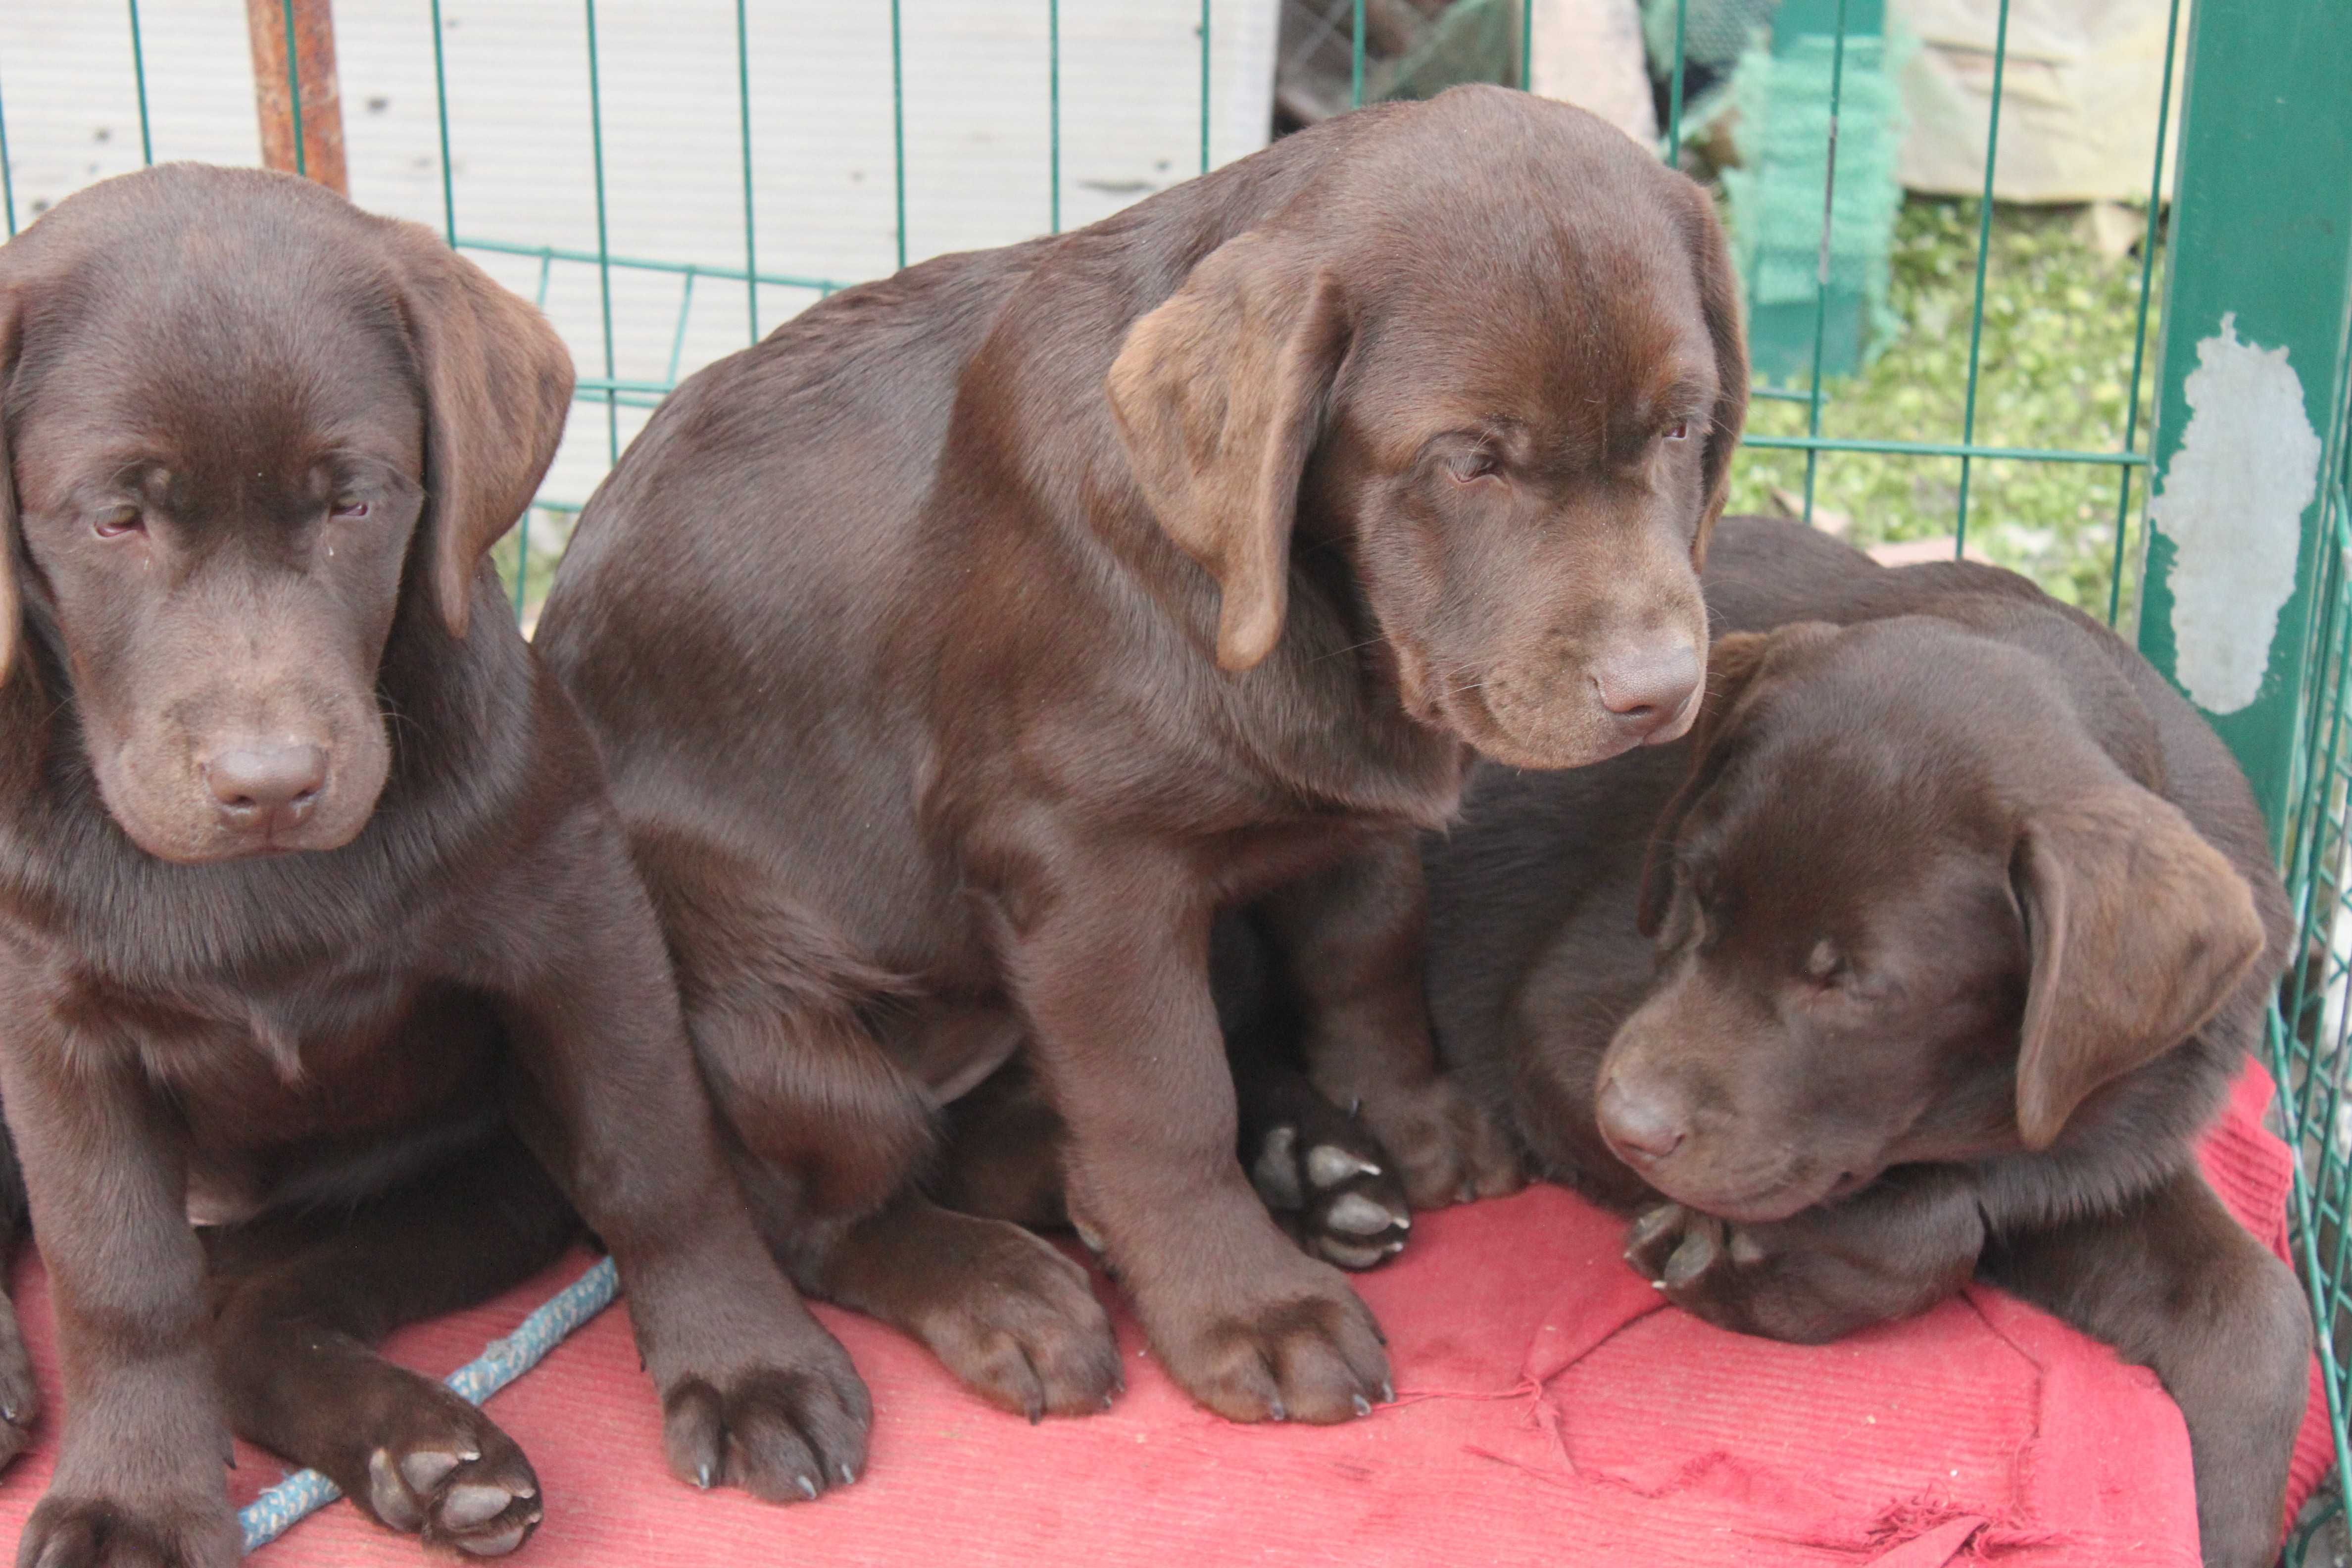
501,1362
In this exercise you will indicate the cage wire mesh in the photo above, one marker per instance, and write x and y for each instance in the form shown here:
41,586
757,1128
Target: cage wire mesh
2311,1032
671,182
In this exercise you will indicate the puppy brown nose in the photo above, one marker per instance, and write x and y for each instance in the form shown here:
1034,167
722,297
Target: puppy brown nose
266,784
1643,1129
1648,690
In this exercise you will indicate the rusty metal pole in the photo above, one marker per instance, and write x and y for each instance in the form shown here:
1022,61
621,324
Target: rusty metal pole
302,134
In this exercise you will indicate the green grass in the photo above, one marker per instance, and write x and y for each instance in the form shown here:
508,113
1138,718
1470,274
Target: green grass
2056,359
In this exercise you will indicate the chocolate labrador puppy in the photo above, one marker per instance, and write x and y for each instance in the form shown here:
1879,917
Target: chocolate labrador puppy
308,890
1926,956
959,650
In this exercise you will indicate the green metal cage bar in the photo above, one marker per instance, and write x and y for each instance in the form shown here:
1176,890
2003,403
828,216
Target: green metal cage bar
1984,264
294,89
139,82
2148,243
1822,275
750,222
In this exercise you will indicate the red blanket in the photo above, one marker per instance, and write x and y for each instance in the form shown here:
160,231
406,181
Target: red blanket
1549,1411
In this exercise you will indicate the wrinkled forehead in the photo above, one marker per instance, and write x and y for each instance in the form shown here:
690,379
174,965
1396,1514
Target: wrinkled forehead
1853,823
202,347
1566,316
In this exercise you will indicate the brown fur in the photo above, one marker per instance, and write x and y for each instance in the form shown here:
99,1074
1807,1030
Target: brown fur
257,444
959,649
1956,923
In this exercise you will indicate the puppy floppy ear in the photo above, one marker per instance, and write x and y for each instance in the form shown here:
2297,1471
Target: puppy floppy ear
497,384
1220,396
1718,299
1734,664
2138,930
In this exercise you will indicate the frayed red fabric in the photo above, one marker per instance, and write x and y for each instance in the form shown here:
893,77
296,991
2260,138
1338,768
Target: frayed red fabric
1551,1411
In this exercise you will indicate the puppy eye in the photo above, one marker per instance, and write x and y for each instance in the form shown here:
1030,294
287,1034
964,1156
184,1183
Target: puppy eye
120,521
1679,430
351,507
1469,467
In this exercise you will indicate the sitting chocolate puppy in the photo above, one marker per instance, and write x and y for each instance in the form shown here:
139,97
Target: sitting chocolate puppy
1927,954
962,647
310,892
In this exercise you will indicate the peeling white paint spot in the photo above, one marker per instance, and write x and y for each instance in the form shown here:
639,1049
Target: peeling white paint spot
2233,505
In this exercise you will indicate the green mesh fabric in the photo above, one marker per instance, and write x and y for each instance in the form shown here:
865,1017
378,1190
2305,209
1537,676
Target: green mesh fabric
1782,101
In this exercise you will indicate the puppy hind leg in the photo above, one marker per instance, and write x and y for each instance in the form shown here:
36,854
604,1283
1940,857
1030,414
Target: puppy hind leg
1001,1156
1324,1176
20,1396
1006,1311
2177,1285
812,1093
1323,1173
830,1136
1351,939
300,1301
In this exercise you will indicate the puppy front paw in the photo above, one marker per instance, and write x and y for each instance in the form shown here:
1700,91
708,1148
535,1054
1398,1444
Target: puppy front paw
785,1433
1330,1184
20,1396
1687,1255
446,1472
1751,1279
1446,1148
161,1531
1303,1347
1021,1326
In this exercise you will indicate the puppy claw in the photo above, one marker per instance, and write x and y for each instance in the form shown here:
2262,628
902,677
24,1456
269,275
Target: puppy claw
702,1476
1363,1405
1694,1257
807,1486
1387,1392
1651,1226
848,1474
1327,1164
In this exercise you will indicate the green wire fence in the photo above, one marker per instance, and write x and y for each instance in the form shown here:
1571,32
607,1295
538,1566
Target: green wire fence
2253,242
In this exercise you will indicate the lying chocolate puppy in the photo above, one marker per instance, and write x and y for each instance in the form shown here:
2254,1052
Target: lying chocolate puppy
1927,955
960,648
308,890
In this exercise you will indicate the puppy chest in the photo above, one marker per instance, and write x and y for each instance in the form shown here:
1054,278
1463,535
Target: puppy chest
273,1067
